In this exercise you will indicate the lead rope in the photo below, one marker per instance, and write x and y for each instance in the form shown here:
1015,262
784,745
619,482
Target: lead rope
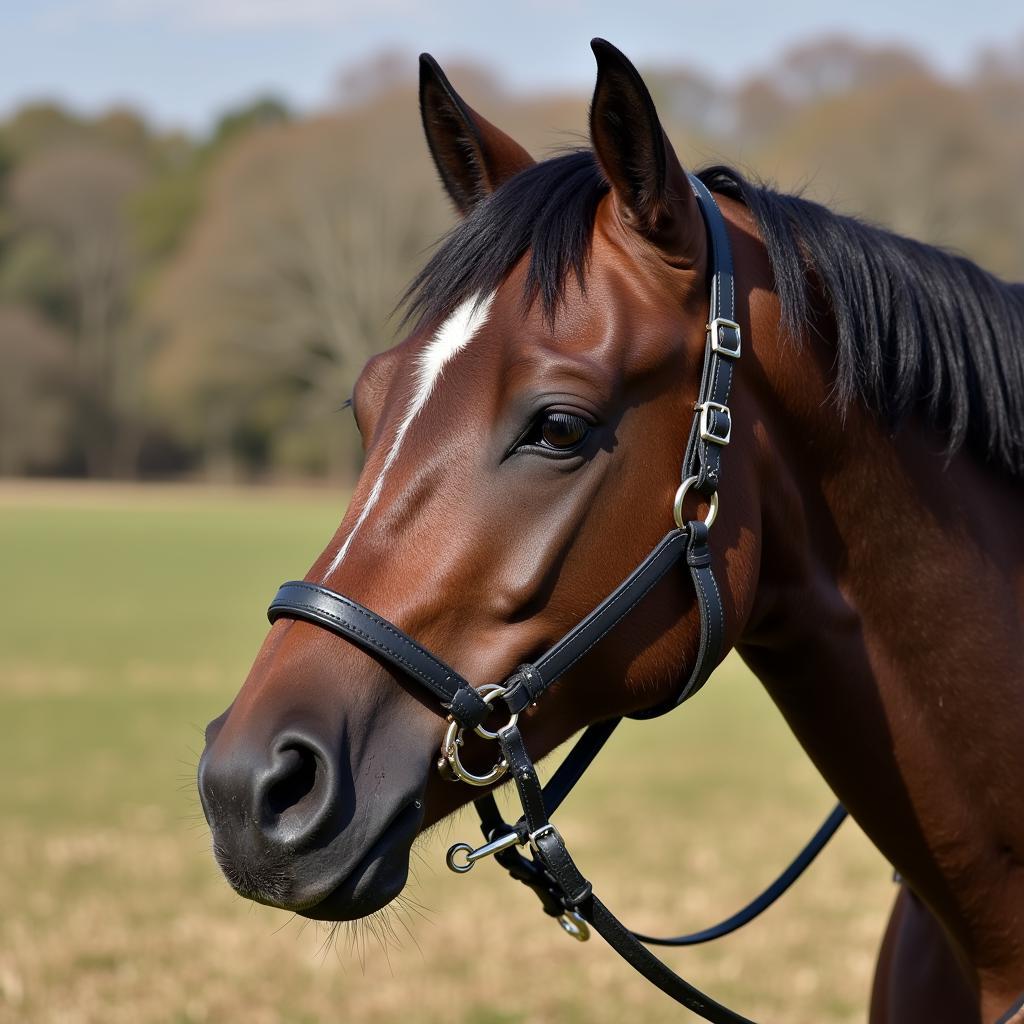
502,840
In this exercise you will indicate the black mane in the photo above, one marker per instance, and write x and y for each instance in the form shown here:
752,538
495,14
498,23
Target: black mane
547,210
917,327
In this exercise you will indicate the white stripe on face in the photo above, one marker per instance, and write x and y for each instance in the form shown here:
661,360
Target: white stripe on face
451,338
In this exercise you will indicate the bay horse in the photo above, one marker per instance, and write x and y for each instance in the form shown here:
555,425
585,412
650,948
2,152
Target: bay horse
522,450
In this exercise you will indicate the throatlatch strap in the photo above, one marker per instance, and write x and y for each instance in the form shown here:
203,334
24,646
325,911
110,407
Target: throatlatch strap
712,620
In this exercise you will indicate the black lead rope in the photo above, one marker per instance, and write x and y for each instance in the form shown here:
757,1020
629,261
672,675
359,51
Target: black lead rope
550,871
757,906
561,783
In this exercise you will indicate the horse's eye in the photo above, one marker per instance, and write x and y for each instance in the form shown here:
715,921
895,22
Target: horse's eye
553,433
562,431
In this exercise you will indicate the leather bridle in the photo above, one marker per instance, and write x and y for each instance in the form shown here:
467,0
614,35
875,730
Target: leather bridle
550,871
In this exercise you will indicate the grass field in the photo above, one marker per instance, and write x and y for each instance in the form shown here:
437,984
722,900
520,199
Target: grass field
114,652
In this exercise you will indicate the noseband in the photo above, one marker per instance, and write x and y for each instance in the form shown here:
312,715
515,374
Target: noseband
550,871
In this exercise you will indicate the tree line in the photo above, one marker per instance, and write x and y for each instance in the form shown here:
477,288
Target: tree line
177,305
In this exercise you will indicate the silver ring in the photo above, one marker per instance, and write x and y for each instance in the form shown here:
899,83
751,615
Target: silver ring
453,739
459,869
490,693
677,505
450,753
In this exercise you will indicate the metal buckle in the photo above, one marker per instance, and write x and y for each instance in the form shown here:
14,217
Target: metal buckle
715,328
707,432
450,764
677,505
543,830
571,922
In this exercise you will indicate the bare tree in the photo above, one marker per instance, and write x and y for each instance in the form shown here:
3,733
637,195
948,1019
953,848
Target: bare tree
310,234
78,195
33,413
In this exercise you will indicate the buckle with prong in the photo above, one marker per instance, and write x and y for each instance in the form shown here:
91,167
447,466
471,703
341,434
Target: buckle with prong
715,422
725,337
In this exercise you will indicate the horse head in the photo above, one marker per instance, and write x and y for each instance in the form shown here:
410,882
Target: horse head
522,452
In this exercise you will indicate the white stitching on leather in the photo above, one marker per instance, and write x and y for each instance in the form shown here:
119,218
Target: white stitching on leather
661,571
403,640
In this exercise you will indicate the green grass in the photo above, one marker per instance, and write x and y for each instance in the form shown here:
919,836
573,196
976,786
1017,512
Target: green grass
108,585
129,618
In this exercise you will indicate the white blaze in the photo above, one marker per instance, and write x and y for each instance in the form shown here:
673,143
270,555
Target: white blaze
451,338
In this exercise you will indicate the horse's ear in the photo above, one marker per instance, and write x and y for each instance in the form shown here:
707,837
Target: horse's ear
648,182
472,156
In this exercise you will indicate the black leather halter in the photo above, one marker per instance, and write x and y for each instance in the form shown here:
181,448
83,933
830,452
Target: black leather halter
550,871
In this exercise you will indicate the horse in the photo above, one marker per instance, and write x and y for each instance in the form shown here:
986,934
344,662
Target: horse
522,450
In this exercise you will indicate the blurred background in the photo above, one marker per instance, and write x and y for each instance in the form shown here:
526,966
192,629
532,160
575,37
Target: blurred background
208,211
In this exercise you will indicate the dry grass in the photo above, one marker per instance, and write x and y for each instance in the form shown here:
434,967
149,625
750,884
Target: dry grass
112,909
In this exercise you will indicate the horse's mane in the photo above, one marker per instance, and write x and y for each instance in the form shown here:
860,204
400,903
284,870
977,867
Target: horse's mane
917,327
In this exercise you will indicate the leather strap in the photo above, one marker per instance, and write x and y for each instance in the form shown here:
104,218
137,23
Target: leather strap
576,762
357,624
528,682
654,970
710,646
520,767
561,876
564,780
757,906
703,456
554,877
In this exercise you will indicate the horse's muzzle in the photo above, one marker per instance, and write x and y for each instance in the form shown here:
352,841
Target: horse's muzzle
289,830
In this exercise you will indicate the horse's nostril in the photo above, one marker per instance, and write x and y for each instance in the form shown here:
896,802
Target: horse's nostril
294,781
268,803
297,793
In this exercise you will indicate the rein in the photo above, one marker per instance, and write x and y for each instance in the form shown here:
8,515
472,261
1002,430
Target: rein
549,870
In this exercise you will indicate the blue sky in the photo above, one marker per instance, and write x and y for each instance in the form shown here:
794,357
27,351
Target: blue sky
183,61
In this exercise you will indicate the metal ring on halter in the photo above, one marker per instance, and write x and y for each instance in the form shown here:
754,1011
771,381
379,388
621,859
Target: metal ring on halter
490,693
453,740
677,505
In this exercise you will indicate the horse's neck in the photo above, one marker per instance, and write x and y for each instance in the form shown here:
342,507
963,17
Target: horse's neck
888,628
